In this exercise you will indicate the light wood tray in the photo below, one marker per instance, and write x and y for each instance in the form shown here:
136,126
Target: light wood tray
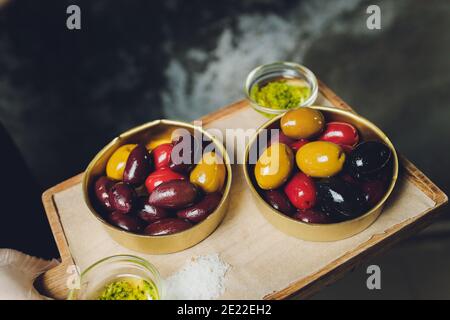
265,263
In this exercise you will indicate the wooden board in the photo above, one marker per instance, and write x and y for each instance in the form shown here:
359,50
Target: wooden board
265,262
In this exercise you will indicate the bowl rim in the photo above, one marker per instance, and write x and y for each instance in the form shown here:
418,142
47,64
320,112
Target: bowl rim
133,131
353,116
306,71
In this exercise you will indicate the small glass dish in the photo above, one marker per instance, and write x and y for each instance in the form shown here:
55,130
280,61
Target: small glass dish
262,75
98,276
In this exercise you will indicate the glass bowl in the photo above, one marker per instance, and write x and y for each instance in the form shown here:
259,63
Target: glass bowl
95,278
266,73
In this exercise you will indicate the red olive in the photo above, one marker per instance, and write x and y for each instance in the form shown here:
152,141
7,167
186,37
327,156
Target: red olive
160,176
161,155
125,221
374,191
167,226
341,133
301,191
297,144
150,213
313,216
278,200
186,153
102,187
138,166
200,211
122,197
175,194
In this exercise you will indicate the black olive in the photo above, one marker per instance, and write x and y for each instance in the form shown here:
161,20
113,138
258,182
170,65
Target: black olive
340,199
368,159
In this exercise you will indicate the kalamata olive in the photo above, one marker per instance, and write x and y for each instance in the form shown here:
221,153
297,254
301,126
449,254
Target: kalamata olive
116,163
138,166
320,159
368,159
341,133
160,176
297,144
313,216
340,199
161,155
200,211
301,191
122,197
102,187
374,191
278,200
209,174
175,194
185,153
274,166
167,226
126,222
150,213
302,123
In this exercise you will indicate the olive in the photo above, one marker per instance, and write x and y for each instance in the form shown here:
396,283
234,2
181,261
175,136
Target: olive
116,163
138,166
125,221
209,174
297,144
278,200
368,159
374,191
313,216
301,191
102,187
175,194
161,155
341,133
185,153
200,211
340,199
122,197
320,159
160,176
302,123
167,226
274,166
150,213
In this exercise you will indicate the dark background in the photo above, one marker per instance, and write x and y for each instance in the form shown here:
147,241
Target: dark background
64,94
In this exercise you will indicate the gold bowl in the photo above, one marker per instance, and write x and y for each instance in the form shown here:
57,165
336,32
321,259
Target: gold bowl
332,231
154,244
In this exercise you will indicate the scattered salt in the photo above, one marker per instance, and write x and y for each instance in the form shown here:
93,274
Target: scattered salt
202,278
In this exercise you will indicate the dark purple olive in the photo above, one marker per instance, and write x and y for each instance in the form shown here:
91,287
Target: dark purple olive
373,191
175,194
185,154
150,213
278,200
340,199
138,166
167,226
102,187
368,159
313,216
122,197
125,221
200,211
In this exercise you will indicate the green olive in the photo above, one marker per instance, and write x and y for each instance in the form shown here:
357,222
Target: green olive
320,159
302,123
274,166
209,174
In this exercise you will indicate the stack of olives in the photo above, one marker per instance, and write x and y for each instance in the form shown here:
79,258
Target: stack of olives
167,189
319,172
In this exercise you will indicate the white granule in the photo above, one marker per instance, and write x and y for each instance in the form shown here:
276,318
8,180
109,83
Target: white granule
202,278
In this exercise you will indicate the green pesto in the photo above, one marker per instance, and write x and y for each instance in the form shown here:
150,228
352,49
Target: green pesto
280,95
129,289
